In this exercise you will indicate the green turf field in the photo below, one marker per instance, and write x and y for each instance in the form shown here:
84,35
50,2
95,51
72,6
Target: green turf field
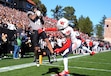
97,65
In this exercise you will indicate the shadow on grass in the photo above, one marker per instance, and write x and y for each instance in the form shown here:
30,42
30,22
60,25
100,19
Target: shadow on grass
52,70
56,71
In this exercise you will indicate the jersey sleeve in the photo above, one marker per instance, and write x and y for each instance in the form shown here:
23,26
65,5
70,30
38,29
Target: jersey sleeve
65,46
51,29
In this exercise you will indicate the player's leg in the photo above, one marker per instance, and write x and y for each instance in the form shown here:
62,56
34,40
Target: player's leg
91,52
79,44
73,47
65,62
44,36
83,46
35,40
76,45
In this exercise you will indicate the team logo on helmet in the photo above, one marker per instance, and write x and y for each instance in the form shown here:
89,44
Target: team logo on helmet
62,23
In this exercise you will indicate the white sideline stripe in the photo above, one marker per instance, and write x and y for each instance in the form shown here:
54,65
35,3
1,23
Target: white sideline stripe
9,68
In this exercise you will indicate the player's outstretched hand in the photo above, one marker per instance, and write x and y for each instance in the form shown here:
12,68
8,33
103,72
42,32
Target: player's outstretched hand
57,50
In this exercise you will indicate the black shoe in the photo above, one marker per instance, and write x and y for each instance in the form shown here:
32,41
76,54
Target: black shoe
37,63
54,57
34,61
51,62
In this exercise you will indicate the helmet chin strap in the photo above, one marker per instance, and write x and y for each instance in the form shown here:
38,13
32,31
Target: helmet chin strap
62,28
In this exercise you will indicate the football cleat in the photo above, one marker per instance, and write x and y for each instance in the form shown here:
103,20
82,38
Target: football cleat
54,58
63,73
37,64
92,53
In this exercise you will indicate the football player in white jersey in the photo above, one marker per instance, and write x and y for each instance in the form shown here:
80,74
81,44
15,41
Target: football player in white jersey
71,44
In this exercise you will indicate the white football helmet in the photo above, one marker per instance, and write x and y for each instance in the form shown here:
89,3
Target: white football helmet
62,23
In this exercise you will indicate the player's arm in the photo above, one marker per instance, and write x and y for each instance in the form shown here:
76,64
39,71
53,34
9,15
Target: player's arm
51,29
66,45
32,17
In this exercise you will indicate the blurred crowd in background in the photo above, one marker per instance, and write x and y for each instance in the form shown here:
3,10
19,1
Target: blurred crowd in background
14,25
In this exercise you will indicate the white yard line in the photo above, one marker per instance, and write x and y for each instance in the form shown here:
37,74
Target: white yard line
94,69
9,68
95,62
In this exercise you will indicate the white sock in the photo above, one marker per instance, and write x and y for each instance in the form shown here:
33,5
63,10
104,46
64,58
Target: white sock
65,61
85,48
65,52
